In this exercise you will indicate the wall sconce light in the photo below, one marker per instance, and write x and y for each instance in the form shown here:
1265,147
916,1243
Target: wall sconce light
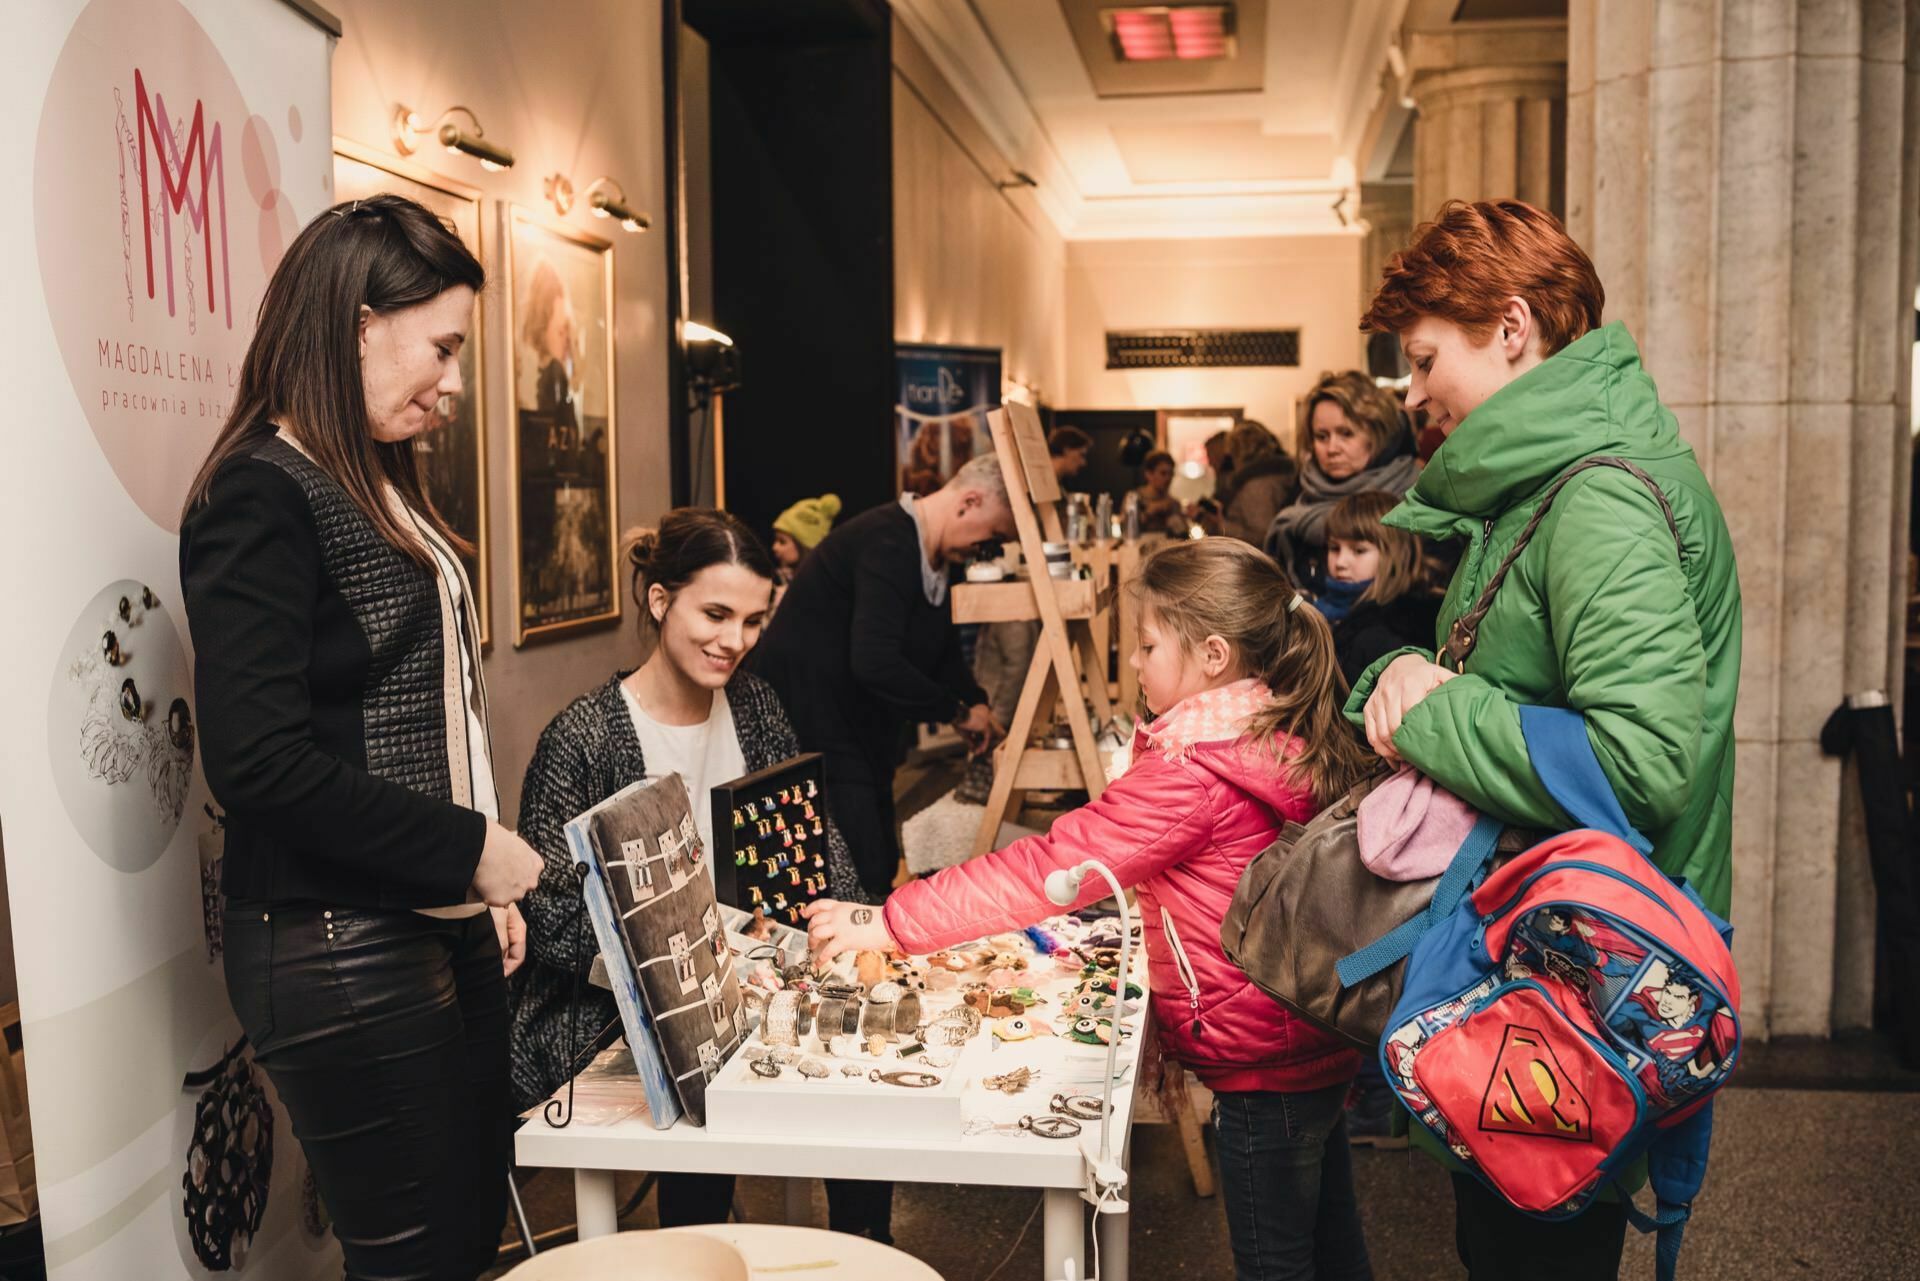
409,125
1018,178
607,199
559,189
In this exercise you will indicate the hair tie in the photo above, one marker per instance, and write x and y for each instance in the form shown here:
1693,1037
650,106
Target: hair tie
1295,602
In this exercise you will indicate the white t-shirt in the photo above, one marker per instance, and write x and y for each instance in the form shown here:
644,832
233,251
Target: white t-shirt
479,760
702,755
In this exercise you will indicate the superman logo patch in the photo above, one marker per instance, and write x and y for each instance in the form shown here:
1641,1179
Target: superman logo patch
1530,1093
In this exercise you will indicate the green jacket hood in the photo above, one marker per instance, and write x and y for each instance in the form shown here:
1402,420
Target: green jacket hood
1591,397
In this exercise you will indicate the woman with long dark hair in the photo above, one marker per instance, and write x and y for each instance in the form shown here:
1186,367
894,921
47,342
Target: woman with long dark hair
343,725
704,584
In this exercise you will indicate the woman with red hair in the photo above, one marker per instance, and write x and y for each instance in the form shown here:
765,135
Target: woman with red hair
1623,606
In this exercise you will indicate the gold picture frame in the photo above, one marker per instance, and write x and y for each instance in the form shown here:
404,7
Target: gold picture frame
564,447
454,457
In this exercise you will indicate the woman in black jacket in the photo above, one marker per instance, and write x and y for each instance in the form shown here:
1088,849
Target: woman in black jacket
704,584
343,724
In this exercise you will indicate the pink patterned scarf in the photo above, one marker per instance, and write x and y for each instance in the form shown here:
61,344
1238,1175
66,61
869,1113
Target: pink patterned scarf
1218,715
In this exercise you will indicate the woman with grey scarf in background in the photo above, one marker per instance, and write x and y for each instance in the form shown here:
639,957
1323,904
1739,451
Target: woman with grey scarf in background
1360,443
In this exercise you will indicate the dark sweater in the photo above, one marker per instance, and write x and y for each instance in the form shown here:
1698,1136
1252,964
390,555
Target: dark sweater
320,668
1371,630
857,654
586,754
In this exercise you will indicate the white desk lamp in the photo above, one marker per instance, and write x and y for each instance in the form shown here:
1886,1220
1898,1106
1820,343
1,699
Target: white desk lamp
1063,888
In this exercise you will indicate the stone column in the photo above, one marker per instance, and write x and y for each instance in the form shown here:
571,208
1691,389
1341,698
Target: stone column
1742,172
1387,209
1491,99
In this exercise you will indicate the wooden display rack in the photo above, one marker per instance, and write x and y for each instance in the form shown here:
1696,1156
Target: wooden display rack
1068,654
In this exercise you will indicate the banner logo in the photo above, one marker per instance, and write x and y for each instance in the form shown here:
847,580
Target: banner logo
177,164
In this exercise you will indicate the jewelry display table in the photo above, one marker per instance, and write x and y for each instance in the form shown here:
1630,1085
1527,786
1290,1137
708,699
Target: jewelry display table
610,1131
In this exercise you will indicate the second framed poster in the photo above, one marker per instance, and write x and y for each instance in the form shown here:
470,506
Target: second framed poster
453,456
565,497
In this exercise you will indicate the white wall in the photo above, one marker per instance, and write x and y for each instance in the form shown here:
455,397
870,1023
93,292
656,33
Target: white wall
1273,282
571,86
973,264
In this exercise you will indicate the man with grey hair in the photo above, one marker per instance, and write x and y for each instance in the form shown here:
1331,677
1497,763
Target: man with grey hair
864,647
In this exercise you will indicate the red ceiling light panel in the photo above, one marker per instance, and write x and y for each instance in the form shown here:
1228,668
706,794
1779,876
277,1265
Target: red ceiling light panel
1160,32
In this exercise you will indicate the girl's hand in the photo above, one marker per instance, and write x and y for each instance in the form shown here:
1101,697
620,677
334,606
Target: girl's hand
1407,680
834,927
511,929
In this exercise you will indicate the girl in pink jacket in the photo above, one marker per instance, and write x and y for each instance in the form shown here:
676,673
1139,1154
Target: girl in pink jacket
1247,736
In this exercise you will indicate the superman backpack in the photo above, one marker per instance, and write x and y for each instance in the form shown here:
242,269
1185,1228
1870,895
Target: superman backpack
1569,1013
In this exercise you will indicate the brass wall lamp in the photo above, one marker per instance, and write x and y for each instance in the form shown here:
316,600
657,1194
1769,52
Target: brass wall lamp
409,126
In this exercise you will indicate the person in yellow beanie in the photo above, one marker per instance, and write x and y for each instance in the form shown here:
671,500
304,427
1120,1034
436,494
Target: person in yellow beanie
796,532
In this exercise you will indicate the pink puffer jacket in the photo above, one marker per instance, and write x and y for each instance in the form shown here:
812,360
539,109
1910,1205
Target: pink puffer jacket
1179,829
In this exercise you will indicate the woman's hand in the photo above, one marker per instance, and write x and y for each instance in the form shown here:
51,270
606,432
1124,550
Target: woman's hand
1407,680
834,927
511,929
508,868
979,729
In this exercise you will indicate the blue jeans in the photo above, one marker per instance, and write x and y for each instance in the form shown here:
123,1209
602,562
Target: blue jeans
1287,1176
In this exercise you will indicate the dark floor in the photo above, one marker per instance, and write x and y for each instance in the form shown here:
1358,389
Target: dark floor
1805,1183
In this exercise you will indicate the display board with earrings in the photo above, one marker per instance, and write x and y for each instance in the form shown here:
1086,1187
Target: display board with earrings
770,839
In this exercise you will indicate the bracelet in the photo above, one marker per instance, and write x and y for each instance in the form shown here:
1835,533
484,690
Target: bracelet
1084,1106
1051,1127
782,1025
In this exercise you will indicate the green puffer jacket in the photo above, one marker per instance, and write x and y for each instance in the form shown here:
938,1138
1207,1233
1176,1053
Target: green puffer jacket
1597,615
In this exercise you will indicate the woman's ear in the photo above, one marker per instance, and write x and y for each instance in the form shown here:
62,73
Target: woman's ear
658,598
1517,331
366,318
1216,656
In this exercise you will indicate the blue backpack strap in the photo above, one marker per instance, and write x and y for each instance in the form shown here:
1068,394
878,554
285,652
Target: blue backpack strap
1563,757
1357,967
1676,1166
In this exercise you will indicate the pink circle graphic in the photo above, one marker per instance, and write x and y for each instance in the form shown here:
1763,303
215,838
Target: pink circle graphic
295,126
145,175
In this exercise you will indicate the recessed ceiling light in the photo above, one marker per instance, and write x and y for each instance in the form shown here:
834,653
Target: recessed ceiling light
1158,33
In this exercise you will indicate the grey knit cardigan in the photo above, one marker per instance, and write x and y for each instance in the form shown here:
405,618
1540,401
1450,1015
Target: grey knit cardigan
586,754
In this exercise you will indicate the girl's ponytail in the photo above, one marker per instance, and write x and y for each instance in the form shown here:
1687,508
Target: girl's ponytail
1309,701
1224,587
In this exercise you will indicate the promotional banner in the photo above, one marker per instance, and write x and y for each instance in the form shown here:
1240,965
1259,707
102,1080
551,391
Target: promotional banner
174,148
941,414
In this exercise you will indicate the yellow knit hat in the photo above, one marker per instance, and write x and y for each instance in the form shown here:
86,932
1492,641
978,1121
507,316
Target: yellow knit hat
808,520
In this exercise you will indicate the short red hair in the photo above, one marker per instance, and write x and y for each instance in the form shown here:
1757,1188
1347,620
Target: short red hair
1466,263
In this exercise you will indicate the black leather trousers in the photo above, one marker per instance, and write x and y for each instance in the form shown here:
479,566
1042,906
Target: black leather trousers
385,1035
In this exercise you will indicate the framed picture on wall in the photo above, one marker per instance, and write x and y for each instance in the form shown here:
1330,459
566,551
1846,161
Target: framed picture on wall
940,416
565,497
453,455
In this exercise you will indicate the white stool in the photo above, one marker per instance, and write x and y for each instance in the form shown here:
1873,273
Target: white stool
638,1256
809,1252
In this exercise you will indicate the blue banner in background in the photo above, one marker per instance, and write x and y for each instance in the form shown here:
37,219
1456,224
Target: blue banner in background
940,414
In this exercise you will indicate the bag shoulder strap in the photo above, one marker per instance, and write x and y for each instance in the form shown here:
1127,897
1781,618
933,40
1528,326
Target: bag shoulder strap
1465,632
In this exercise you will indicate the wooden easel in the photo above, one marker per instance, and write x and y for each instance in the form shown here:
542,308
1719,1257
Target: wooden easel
1067,655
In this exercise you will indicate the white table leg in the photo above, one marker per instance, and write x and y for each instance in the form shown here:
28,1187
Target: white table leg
799,1208
594,1206
1063,1235
1111,1231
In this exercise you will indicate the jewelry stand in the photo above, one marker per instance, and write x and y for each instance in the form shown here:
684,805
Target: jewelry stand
1067,656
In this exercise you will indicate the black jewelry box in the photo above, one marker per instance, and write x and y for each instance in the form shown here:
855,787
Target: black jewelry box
770,839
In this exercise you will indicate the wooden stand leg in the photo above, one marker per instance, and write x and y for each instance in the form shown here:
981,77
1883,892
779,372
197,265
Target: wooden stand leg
1192,1140
1007,764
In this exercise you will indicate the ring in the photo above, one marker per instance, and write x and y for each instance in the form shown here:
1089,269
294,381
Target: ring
765,1067
912,1080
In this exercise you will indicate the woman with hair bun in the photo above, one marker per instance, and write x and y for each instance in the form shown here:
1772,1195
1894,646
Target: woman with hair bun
704,584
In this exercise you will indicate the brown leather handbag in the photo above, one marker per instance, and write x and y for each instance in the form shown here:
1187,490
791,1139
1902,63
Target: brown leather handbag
1307,901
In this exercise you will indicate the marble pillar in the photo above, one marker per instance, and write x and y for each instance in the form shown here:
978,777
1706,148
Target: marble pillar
1387,209
1490,98
1742,172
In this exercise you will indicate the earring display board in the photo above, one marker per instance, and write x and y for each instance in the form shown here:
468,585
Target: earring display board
770,834
453,454
658,925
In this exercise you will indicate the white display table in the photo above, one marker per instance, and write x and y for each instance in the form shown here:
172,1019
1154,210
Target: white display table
609,1134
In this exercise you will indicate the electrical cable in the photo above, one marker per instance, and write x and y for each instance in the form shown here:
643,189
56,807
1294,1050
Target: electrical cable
1008,1256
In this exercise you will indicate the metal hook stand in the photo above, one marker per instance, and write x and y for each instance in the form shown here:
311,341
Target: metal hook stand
559,1114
